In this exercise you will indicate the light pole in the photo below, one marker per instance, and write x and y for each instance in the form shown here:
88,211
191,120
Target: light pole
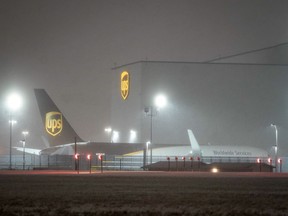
160,101
13,103
276,145
25,133
149,112
11,123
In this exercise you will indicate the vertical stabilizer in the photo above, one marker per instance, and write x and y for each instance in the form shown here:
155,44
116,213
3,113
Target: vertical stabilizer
194,144
56,127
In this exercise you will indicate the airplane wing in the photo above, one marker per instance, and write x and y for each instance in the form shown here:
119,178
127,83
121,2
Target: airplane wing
28,150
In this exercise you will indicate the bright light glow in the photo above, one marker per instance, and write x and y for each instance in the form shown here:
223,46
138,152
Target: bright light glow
214,170
279,161
25,133
14,102
147,145
133,136
12,122
115,136
160,101
89,156
23,143
108,130
269,160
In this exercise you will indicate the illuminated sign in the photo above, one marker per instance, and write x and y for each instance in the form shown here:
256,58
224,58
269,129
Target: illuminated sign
53,123
124,84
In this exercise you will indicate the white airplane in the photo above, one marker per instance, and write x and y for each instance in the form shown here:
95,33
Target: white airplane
60,139
206,151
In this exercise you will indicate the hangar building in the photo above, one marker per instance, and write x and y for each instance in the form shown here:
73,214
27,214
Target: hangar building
224,104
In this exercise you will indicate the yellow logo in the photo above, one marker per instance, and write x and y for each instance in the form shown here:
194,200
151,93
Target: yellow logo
53,123
125,84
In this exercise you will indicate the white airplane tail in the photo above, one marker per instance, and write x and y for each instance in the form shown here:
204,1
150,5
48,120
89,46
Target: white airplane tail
194,144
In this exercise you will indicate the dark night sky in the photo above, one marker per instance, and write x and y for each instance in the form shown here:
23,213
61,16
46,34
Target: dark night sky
68,47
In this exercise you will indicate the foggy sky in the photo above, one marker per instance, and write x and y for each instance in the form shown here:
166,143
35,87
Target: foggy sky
68,47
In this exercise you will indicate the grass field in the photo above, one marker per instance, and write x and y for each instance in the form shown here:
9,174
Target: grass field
143,193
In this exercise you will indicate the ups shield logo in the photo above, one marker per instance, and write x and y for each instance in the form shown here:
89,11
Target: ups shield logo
125,84
53,123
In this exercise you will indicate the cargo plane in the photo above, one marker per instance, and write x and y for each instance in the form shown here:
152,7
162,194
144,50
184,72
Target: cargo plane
61,138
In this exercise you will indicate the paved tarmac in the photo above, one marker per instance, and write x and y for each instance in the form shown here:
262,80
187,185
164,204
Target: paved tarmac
145,173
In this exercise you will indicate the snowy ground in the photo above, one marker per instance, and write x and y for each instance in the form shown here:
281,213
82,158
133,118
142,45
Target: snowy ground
142,193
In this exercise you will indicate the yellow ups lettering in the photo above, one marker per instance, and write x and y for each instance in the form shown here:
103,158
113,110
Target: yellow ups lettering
53,123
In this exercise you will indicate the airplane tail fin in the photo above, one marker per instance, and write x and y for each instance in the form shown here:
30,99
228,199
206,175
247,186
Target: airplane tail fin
193,142
57,128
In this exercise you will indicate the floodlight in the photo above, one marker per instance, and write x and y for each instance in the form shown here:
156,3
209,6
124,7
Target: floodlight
160,101
133,135
25,133
14,102
108,130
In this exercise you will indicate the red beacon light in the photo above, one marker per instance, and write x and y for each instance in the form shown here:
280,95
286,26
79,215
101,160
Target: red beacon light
89,156
76,156
100,157
258,160
168,158
279,160
269,160
183,158
191,158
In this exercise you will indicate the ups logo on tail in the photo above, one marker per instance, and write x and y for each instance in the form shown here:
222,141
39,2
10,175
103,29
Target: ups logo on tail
53,123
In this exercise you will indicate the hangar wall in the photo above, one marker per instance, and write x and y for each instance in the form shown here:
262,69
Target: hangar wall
224,104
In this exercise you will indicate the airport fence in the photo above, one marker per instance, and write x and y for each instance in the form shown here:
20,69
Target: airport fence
114,162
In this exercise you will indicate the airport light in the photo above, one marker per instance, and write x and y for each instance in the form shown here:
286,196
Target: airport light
160,101
77,162
100,157
147,150
11,123
25,133
191,164
280,163
168,159
269,161
109,131
147,145
13,103
260,164
184,159
133,136
89,159
276,145
115,136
